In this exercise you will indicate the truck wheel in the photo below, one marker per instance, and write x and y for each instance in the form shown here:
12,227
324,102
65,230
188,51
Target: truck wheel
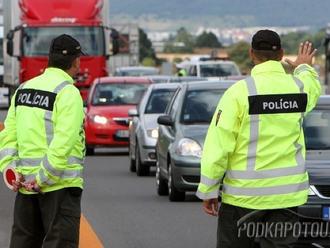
173,193
161,183
141,169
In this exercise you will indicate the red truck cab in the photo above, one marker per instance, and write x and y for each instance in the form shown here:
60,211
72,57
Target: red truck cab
42,20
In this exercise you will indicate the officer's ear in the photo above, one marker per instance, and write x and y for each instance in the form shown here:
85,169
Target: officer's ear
75,66
281,54
252,56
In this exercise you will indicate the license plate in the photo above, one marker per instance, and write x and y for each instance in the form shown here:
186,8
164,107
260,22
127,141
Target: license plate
122,133
326,213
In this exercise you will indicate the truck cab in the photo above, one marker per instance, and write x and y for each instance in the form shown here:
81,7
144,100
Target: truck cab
30,26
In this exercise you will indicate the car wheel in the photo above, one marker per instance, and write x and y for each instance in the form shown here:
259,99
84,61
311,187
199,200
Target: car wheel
161,183
141,169
173,193
89,151
132,167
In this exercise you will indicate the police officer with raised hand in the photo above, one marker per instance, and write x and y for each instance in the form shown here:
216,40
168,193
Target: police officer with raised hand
44,140
255,147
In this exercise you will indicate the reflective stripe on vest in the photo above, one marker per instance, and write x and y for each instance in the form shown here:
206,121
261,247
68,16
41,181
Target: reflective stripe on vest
49,114
208,181
274,190
35,162
8,152
251,172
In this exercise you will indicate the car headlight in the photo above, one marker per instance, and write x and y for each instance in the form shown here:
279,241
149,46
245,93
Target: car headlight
153,133
189,147
100,119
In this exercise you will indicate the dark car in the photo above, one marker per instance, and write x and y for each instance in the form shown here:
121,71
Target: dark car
317,209
143,130
182,131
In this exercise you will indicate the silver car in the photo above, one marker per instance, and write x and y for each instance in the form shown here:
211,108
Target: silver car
143,129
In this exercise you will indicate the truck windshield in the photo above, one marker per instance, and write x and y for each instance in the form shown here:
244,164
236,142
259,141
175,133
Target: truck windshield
317,130
36,40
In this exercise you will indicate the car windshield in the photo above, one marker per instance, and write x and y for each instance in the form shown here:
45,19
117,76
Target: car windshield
218,70
118,94
36,40
158,101
136,72
199,106
317,130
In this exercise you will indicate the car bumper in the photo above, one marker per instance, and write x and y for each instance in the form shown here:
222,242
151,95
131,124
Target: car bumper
106,136
148,155
311,214
186,173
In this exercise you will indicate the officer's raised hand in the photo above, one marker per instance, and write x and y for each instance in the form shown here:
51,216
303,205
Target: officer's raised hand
306,54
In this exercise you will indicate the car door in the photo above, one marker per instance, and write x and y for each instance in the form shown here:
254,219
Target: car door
167,133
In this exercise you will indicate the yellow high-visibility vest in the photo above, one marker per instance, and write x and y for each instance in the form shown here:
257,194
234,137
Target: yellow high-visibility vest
255,141
43,136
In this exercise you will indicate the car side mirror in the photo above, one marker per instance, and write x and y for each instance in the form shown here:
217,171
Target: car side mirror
133,113
165,120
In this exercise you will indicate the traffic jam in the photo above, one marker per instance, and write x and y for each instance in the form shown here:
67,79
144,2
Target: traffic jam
199,132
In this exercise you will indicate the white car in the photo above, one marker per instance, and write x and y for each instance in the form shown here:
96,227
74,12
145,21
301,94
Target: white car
212,68
136,71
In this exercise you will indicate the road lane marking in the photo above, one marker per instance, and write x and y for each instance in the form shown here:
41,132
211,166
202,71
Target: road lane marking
88,237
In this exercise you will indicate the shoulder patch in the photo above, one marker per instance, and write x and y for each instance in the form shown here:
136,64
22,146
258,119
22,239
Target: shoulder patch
35,98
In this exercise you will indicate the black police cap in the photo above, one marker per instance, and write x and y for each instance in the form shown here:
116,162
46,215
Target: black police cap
65,45
266,40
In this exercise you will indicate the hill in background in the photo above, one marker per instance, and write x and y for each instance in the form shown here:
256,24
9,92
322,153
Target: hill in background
221,13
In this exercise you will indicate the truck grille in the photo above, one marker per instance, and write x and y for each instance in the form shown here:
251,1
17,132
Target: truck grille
324,190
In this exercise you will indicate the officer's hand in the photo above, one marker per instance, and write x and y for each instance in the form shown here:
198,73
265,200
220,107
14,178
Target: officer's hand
305,55
18,184
32,186
211,206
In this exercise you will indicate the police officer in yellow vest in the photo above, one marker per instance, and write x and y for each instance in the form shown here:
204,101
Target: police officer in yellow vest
44,140
255,143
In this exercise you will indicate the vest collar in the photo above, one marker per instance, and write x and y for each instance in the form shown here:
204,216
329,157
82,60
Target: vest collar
268,66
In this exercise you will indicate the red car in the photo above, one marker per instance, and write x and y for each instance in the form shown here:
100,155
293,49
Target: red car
110,98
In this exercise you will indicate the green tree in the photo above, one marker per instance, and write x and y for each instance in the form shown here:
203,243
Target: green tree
239,53
182,42
207,39
145,47
291,41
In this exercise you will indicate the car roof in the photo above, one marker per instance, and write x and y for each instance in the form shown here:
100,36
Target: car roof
217,84
127,68
208,62
165,86
324,100
137,80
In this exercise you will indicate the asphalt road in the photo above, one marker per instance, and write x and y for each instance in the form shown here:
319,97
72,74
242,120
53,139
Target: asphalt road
126,212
